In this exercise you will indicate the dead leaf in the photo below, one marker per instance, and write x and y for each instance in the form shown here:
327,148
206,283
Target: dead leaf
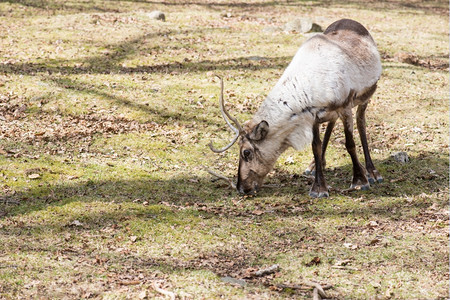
34,176
289,160
257,212
315,261
142,295
342,262
350,246
374,242
67,236
76,223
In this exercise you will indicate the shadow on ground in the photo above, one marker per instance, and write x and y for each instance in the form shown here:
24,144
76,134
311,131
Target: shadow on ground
426,173
431,7
173,203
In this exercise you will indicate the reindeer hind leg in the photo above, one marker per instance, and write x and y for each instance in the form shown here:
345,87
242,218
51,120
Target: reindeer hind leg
372,173
359,180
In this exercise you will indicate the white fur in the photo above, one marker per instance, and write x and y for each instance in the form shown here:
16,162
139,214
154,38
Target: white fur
322,73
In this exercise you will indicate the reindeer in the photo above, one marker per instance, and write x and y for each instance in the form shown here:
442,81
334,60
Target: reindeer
330,74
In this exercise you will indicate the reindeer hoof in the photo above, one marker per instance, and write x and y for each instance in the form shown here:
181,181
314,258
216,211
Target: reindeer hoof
365,187
373,181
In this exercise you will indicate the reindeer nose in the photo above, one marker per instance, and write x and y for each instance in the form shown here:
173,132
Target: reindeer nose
248,190
244,191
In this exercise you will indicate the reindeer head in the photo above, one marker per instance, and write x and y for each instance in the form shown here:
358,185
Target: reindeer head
255,157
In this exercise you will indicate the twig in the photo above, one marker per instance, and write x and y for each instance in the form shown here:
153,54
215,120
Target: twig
318,288
345,268
316,295
164,292
307,286
219,176
266,271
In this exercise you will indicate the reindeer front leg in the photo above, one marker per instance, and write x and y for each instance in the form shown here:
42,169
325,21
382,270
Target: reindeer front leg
312,166
319,188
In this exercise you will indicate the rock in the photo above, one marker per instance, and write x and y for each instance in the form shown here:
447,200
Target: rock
302,25
401,157
157,15
234,281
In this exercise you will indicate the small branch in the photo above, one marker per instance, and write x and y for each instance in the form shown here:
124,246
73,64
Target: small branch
318,288
164,292
220,176
266,271
344,268
316,295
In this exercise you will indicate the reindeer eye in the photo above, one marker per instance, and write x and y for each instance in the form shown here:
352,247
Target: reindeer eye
246,154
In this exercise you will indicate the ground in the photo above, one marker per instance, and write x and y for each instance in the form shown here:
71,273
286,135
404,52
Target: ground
105,119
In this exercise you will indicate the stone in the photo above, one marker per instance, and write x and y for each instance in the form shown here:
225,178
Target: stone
401,157
302,25
234,281
157,15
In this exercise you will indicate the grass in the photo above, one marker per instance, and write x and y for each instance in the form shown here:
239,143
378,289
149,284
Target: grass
114,111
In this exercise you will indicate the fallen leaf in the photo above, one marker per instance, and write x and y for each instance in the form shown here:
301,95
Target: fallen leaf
76,223
342,262
34,176
289,160
313,262
373,224
142,295
67,236
350,246
374,241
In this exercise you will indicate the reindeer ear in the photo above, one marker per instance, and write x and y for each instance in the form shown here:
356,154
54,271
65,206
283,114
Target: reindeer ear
260,131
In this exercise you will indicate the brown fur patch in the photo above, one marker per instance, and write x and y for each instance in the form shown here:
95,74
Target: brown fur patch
347,25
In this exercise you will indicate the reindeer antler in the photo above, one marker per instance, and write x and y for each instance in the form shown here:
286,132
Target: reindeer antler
238,129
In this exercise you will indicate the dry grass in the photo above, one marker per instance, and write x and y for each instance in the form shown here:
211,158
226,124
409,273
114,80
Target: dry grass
114,110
